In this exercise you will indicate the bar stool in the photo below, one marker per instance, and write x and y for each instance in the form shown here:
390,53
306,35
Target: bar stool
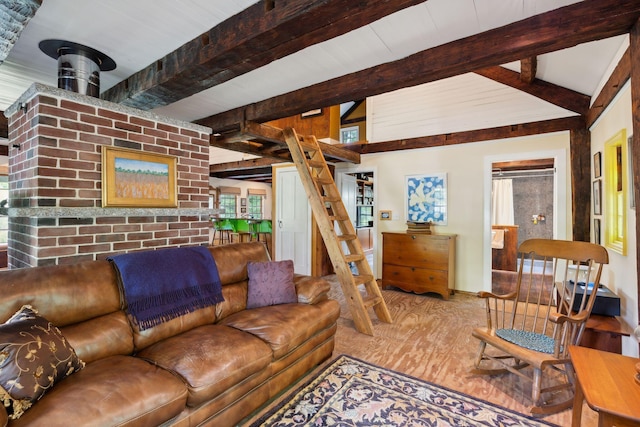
261,233
223,229
253,226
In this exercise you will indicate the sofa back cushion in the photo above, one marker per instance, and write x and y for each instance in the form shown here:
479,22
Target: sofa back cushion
231,261
68,296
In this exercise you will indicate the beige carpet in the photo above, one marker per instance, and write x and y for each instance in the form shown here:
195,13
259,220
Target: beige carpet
431,339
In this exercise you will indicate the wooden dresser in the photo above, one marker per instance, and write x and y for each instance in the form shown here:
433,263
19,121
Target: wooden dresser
419,262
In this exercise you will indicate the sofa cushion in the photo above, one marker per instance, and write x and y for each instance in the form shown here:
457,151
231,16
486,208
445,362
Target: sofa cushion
210,359
54,291
34,356
100,337
186,322
284,327
232,259
270,283
114,391
310,289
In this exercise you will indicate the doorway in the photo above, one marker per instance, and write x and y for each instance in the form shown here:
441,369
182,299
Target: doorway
539,182
358,191
521,209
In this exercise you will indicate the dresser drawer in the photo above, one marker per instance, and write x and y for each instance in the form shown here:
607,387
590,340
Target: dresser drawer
419,280
415,250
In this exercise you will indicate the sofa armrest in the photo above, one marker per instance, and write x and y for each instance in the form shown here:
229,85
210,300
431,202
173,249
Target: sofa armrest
4,418
311,290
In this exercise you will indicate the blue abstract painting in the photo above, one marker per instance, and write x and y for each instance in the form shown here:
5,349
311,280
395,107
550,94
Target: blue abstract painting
427,198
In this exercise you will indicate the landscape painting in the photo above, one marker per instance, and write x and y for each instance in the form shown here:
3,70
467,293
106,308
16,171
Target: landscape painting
136,179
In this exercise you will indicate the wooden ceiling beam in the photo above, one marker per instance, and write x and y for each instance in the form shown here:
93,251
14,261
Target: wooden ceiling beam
562,28
4,126
501,132
247,147
243,165
634,58
263,174
260,34
268,141
557,95
614,84
528,69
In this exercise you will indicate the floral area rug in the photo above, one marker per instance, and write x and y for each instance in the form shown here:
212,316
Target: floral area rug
350,392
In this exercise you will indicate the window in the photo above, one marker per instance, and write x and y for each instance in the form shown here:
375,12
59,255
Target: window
350,134
255,206
255,198
228,201
616,187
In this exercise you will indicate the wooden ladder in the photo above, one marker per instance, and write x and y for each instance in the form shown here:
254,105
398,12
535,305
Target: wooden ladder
337,231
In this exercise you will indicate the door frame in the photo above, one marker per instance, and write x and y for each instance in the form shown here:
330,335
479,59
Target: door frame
561,204
351,169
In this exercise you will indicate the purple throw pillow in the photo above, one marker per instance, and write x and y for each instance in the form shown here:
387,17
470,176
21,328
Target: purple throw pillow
270,283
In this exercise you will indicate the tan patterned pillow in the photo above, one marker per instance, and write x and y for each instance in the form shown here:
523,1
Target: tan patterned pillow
33,357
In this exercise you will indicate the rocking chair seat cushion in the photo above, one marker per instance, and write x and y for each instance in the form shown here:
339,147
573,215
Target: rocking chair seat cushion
527,339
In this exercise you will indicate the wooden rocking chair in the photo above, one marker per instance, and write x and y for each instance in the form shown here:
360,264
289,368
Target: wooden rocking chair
534,325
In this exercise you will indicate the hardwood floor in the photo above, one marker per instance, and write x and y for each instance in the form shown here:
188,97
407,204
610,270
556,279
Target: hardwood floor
431,339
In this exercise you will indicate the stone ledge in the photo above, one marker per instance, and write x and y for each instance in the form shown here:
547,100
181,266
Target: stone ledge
39,88
52,212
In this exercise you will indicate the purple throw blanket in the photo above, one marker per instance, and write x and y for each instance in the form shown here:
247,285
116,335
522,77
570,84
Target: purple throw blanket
164,284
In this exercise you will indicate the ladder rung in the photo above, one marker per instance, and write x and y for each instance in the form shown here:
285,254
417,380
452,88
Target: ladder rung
316,164
353,257
331,199
371,301
347,237
323,180
307,146
362,279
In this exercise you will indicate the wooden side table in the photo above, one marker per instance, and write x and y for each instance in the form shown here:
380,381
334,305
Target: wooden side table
605,333
606,381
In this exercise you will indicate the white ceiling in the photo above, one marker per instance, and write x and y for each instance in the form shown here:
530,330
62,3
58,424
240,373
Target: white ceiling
137,33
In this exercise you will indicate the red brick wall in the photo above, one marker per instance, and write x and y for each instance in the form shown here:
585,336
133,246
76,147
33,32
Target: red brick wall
55,195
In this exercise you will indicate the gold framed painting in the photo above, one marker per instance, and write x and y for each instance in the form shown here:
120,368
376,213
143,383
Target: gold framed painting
132,178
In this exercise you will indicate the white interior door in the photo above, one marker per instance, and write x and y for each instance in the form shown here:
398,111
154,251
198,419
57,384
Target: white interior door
292,227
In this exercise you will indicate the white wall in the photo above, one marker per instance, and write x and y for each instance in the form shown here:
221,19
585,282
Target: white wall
465,168
621,274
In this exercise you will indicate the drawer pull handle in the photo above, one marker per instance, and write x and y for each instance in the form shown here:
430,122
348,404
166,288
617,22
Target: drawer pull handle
413,237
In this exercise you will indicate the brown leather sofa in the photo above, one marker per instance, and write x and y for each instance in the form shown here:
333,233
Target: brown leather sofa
210,367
